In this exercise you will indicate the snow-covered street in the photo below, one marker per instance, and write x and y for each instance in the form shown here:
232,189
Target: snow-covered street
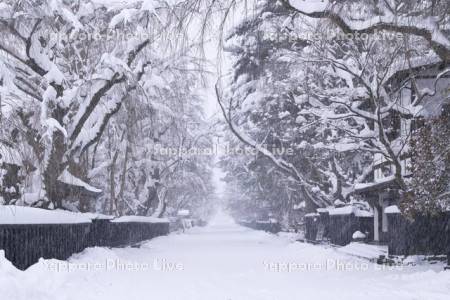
221,261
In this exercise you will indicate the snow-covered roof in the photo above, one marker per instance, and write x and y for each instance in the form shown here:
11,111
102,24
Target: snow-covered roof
393,209
68,178
364,250
140,219
10,214
381,183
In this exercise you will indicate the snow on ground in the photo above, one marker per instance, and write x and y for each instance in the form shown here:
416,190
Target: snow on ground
221,261
371,252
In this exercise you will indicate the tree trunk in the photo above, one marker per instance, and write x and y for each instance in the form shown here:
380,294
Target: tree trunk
112,174
53,169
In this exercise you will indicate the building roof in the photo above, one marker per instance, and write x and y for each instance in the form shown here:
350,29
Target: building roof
381,185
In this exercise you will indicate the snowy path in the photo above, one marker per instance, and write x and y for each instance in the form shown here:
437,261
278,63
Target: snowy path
222,261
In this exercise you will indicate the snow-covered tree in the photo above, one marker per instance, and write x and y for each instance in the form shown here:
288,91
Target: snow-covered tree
429,185
92,87
323,79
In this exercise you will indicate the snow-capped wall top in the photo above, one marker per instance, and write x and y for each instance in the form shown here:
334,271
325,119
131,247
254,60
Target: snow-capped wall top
91,216
347,210
393,209
183,213
10,214
140,219
310,215
323,209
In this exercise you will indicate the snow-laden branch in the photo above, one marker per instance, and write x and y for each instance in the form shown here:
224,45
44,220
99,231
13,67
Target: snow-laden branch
103,87
425,27
286,167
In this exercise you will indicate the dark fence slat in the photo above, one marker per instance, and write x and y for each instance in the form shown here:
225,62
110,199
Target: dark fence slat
24,244
273,227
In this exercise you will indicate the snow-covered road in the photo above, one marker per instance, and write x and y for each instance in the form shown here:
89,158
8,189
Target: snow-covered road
221,261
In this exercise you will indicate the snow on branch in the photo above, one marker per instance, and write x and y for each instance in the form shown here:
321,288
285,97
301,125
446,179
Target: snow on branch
68,178
286,167
425,27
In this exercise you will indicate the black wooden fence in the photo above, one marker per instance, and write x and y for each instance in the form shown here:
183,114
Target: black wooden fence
342,227
24,244
273,227
425,235
317,226
338,229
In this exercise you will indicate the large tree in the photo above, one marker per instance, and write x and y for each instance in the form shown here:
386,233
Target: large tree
91,88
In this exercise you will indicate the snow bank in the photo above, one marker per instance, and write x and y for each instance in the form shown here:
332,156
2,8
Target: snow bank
363,250
10,214
5,265
140,219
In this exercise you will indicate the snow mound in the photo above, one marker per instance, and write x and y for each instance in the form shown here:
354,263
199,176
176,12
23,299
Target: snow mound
364,250
5,265
358,235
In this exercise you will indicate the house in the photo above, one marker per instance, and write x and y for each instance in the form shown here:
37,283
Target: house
382,191
338,224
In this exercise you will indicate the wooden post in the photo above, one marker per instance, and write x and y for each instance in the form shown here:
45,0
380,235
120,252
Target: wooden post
448,261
